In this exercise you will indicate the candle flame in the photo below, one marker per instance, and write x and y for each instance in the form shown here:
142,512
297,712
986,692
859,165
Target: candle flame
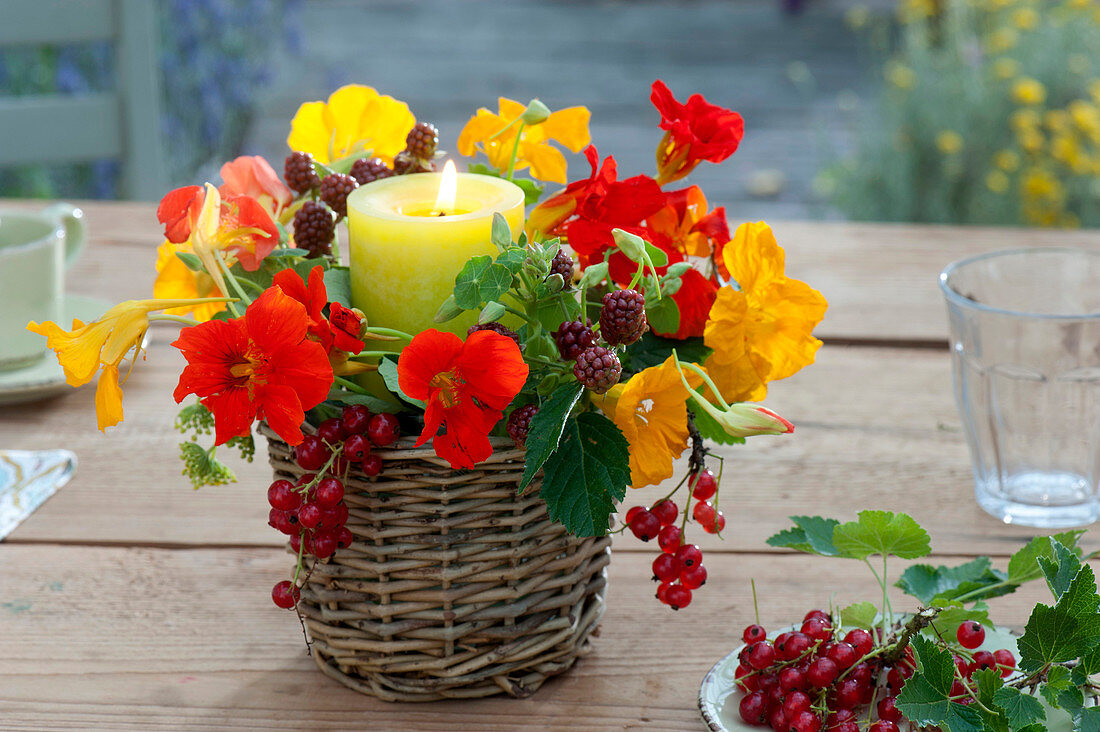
448,189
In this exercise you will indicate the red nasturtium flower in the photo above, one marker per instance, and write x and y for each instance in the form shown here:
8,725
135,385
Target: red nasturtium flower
259,366
466,386
341,329
694,132
244,227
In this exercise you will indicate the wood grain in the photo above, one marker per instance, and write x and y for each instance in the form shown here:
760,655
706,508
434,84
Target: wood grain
122,638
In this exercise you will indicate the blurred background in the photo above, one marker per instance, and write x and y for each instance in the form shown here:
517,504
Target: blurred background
950,111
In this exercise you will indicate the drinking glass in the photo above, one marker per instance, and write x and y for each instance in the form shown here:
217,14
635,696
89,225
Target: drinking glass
1025,347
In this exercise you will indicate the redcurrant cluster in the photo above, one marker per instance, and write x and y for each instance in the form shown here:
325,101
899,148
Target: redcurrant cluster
312,512
814,679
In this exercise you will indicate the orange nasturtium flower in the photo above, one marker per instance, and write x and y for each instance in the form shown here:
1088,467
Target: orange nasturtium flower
762,331
495,135
356,119
102,344
694,132
467,385
252,176
259,366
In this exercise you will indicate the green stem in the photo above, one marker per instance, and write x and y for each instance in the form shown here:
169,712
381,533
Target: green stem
235,285
173,319
519,313
372,354
390,332
350,385
515,152
254,285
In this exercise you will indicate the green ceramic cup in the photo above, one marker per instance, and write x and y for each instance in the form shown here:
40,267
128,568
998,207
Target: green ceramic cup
35,251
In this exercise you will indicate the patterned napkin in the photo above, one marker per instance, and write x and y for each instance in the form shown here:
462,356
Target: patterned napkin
27,479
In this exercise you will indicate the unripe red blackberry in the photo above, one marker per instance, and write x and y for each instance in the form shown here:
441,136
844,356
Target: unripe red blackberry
314,229
562,264
334,191
299,173
406,164
622,319
368,170
598,368
519,423
422,140
572,337
496,328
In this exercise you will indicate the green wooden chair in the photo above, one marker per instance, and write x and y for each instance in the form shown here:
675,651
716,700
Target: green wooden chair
123,124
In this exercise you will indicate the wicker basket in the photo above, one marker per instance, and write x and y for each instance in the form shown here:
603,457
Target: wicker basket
455,586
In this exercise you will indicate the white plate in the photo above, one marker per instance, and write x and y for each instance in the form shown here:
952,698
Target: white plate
46,378
719,698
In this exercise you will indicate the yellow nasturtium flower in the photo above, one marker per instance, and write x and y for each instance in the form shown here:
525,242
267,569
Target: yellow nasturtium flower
176,281
1029,91
764,330
496,136
356,119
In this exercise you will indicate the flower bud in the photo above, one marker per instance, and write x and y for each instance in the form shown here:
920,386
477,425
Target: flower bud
535,114
631,245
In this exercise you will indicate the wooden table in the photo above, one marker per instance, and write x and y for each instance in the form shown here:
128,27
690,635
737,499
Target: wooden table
129,601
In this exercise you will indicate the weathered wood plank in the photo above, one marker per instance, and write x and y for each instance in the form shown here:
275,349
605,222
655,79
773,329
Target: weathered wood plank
141,639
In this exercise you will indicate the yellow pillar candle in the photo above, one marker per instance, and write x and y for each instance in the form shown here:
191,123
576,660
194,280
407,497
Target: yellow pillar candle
405,255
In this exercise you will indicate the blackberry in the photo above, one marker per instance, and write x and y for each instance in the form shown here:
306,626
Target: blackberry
422,141
519,423
622,319
314,229
562,264
299,174
572,337
598,368
334,191
368,170
405,164
496,328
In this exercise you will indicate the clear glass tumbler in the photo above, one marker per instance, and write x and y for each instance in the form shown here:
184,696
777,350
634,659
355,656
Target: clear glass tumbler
1025,346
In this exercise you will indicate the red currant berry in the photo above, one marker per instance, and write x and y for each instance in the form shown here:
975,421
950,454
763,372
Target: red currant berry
821,673
971,634
296,542
324,544
280,521
895,680
717,524
704,486
645,525
862,673
372,466
777,719
309,515
744,681
1005,661
845,727
761,655
669,539
843,655
840,716
284,595
703,512
340,466
982,660
689,555
794,645
883,725
666,511
383,429
632,512
331,430
335,517
791,679
806,721
795,703
693,577
888,710
662,592
849,693
355,417
344,538
819,614
281,495
312,453
754,634
666,568
329,492
861,640
817,629
678,597
356,448
754,709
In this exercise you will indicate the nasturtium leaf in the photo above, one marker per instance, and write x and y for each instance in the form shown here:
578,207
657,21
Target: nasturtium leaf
663,315
483,169
710,429
494,282
532,191
859,615
882,532
1059,569
1023,565
278,253
387,369
924,582
811,534
546,428
467,290
1021,709
338,285
501,233
587,475
1066,631
512,258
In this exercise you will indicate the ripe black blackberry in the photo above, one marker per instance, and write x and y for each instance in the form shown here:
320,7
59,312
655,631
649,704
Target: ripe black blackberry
422,141
314,229
598,368
368,170
572,337
519,423
299,173
562,264
622,319
496,328
334,191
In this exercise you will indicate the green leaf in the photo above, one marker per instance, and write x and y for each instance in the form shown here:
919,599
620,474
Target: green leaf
594,274
663,315
1066,631
653,350
192,261
387,369
587,475
1021,709
556,310
338,285
483,169
288,252
1059,569
924,698
811,534
859,615
882,532
953,614
532,191
1058,682
657,257
546,428
468,282
512,258
494,282
200,465
371,402
501,233
1023,565
1087,720
924,582
710,429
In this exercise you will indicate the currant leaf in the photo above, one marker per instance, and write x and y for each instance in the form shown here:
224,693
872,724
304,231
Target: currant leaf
1023,565
859,615
546,428
953,614
1019,708
811,534
925,582
1060,569
882,532
1087,720
1066,631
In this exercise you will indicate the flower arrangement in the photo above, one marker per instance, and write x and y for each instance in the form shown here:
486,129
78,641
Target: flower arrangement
990,115
622,327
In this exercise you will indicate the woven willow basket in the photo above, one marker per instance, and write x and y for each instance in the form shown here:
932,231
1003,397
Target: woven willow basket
455,586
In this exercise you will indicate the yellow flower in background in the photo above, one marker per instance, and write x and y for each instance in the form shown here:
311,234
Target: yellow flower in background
651,411
911,11
176,281
997,181
900,75
1025,19
356,119
1087,118
762,331
1006,160
1005,68
496,136
857,16
1001,40
1024,119
1094,90
1056,120
1028,91
1031,140
949,142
